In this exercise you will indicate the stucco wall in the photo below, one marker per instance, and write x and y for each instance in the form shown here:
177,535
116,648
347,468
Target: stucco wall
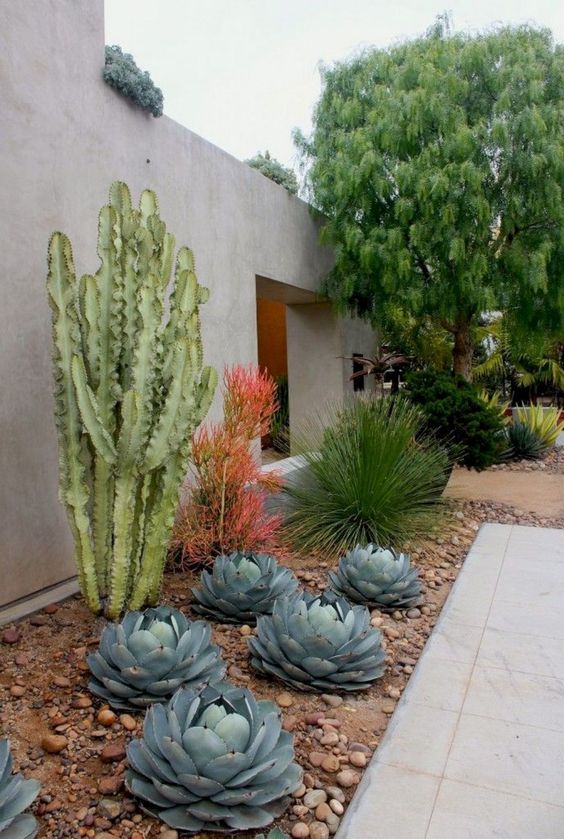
65,137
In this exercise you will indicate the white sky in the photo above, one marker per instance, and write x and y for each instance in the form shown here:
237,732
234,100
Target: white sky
244,73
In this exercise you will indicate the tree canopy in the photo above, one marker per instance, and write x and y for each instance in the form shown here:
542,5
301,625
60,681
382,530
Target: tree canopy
273,169
439,165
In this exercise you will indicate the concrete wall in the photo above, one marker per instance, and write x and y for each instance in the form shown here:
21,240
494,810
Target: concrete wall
65,137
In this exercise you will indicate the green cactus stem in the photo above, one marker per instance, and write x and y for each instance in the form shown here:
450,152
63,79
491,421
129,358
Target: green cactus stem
130,389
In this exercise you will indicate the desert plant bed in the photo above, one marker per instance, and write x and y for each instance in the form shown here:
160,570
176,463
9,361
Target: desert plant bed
74,744
551,462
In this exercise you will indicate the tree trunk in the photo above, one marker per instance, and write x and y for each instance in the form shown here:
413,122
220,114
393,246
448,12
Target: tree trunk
463,349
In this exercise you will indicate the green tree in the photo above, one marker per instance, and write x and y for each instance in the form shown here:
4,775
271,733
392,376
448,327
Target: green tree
439,164
273,169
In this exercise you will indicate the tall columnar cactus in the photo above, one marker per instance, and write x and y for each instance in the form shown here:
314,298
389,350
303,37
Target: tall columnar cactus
129,391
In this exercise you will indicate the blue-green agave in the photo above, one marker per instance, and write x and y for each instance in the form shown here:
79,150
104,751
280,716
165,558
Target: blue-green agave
16,793
242,586
318,643
149,655
214,760
377,577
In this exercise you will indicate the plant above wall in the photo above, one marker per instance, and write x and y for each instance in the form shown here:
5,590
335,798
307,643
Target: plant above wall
130,390
318,643
274,171
217,760
122,73
149,655
241,587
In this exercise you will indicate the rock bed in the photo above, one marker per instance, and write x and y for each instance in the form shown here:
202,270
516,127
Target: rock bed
552,462
76,746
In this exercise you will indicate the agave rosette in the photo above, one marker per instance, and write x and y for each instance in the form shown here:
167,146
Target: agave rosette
214,760
149,655
242,586
318,643
16,794
378,577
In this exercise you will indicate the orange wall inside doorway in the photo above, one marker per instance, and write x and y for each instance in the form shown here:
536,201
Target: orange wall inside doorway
271,336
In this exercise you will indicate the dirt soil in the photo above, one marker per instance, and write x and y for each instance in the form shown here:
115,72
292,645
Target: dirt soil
43,690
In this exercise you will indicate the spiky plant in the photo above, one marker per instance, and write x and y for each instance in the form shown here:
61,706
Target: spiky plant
215,761
371,476
130,390
241,587
543,422
523,443
378,577
318,643
275,833
16,794
147,656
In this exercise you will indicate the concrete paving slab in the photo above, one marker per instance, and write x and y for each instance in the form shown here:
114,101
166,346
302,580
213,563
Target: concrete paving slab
475,748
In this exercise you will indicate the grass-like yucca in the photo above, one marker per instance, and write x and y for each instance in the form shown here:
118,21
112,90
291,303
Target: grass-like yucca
373,475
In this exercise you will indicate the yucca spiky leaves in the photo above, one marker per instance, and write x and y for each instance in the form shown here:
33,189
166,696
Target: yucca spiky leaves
217,760
377,577
241,587
318,643
149,655
130,390
16,794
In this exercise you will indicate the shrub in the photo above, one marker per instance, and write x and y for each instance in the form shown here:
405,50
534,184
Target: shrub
280,431
274,170
368,479
226,511
122,73
522,442
457,415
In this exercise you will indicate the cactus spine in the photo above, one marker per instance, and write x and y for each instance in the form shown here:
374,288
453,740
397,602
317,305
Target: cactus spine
130,390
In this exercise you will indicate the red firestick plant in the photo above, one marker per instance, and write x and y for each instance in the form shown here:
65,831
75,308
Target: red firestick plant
226,507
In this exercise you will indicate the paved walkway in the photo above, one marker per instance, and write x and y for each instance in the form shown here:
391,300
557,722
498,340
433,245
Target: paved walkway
475,748
537,492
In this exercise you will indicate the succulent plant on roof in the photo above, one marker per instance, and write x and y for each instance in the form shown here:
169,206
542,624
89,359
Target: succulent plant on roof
318,643
215,760
242,586
16,794
378,577
149,655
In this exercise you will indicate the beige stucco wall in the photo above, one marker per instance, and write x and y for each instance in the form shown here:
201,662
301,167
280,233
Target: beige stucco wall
65,136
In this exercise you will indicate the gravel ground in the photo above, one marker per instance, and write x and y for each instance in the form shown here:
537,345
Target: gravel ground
75,745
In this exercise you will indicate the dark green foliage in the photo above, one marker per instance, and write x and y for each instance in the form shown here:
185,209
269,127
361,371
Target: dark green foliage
372,476
457,415
523,443
273,169
122,73
280,425
439,165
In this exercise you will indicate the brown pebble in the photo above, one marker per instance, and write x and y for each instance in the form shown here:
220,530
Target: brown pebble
17,690
347,778
61,682
323,812
10,636
51,608
82,702
128,722
106,717
300,831
358,759
245,630
112,753
285,700
110,785
316,758
53,743
330,763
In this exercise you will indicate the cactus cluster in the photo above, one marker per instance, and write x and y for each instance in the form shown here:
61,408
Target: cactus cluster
318,643
130,390
378,577
16,794
150,654
242,586
216,760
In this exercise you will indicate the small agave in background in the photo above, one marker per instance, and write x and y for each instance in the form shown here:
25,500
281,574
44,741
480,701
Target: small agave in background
377,577
275,833
242,586
318,643
214,760
16,794
149,655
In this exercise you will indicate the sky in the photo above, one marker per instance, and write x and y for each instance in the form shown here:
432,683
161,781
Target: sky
244,73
